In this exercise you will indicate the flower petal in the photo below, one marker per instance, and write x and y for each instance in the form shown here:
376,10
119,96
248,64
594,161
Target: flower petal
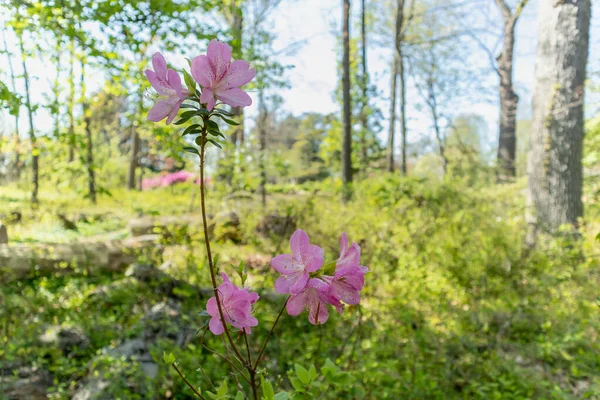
239,74
297,303
317,309
174,81
298,282
174,112
219,55
299,242
345,292
156,83
235,97
216,326
286,264
211,307
160,66
202,71
160,111
313,258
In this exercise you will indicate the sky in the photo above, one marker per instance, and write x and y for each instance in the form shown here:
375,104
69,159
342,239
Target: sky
313,77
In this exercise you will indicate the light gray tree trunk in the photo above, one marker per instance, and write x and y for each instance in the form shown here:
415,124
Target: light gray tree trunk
347,131
32,137
507,139
17,139
392,130
554,163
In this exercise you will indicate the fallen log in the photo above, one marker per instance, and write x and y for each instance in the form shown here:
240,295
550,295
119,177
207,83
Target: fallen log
18,261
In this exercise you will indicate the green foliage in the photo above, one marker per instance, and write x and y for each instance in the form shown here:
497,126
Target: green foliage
454,307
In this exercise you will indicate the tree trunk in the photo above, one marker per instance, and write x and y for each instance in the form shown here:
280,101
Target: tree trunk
390,144
399,70
32,138
17,139
135,147
262,138
402,109
238,26
554,163
71,106
364,87
88,136
347,122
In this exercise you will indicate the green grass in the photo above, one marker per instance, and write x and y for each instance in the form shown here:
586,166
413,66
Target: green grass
454,306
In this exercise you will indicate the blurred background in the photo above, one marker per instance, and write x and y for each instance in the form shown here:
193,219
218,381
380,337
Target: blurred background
446,137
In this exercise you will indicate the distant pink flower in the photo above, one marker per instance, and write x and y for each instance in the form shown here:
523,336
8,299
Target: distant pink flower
168,85
349,277
314,297
221,78
295,267
237,308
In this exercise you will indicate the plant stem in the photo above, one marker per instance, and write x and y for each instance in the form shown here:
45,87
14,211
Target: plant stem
187,382
262,350
207,242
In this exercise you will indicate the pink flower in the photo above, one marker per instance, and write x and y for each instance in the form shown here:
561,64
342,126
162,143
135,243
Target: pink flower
221,78
295,267
349,277
314,297
168,85
237,308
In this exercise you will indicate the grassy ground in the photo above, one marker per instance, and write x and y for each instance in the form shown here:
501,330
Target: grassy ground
454,306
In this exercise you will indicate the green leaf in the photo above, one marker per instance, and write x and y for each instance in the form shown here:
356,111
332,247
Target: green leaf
239,396
224,112
312,371
198,140
215,143
268,392
297,384
216,133
189,129
192,150
168,358
281,396
189,114
302,374
190,83
222,392
212,125
227,120
185,105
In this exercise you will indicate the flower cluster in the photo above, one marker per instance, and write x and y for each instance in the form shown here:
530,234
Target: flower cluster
219,78
167,180
300,278
236,305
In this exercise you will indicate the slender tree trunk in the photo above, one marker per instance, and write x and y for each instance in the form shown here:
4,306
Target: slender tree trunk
507,140
554,163
238,27
71,105
401,74
399,70
364,87
135,147
88,135
56,88
262,138
392,128
17,138
32,138
347,131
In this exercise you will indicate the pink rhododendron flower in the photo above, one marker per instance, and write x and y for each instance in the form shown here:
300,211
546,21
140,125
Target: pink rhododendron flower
222,78
314,297
295,267
349,277
237,308
168,85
